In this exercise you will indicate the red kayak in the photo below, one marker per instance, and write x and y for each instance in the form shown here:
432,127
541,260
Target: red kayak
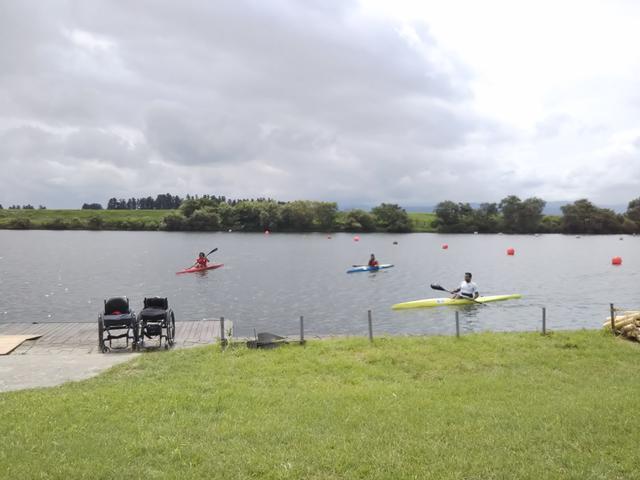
213,266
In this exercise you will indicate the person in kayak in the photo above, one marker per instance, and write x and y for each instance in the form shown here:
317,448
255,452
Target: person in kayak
373,263
467,288
201,261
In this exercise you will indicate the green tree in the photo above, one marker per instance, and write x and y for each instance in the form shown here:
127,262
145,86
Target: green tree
298,216
325,214
391,218
187,207
247,215
359,221
174,222
582,216
204,219
633,210
486,218
270,216
521,216
455,218
227,215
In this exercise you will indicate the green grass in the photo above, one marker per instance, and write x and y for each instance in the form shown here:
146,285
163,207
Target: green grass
422,222
78,219
480,407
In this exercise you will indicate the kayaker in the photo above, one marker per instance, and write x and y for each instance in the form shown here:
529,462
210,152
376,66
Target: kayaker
201,261
373,262
466,289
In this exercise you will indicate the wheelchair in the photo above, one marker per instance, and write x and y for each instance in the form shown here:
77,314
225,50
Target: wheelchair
156,319
117,317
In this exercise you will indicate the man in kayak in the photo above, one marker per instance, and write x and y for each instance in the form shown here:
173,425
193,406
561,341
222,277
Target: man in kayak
373,263
467,288
201,261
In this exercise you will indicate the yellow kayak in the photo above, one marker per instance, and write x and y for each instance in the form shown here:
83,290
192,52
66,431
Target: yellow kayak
438,302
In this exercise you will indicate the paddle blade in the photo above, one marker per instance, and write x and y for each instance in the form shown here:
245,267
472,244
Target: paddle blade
435,286
215,249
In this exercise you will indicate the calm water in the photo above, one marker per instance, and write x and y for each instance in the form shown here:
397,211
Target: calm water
269,281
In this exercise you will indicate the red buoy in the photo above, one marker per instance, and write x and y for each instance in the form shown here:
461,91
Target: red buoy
616,261
267,232
511,251
356,238
445,246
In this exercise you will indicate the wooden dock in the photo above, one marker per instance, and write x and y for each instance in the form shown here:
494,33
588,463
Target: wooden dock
83,337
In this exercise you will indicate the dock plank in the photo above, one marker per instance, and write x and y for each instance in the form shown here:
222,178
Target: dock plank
58,338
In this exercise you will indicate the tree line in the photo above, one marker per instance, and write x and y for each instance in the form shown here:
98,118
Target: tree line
23,207
206,214
164,201
513,215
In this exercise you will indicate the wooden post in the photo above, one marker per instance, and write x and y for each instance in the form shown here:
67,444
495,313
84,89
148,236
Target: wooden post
544,320
301,330
370,326
223,340
457,324
613,318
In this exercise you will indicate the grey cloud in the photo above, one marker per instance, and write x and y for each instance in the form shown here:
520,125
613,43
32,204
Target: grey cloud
289,99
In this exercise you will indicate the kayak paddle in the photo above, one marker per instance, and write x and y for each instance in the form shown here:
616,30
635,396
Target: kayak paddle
435,286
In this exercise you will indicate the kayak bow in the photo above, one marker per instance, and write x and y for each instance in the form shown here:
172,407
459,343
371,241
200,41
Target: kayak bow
213,266
438,302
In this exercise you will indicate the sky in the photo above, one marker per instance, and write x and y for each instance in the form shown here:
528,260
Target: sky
354,101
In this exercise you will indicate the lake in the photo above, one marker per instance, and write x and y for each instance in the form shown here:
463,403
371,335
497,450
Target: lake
268,281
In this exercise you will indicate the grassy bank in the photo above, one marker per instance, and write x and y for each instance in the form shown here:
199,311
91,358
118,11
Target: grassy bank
127,219
483,406
84,219
422,222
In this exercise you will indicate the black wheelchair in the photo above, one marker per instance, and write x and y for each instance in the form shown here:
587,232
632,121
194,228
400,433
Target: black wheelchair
156,320
117,317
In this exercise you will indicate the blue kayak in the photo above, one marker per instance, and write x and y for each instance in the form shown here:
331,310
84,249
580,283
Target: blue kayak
366,268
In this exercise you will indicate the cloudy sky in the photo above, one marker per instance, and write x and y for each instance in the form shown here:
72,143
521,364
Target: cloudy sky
358,102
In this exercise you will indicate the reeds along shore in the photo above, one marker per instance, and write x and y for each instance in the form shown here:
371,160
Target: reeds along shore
626,324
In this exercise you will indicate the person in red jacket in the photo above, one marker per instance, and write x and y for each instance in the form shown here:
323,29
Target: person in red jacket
373,262
201,261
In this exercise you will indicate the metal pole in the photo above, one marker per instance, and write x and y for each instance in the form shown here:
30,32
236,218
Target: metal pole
544,320
223,341
457,324
301,329
370,326
613,318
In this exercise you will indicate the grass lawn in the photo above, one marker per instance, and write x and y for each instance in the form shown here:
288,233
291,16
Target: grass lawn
422,222
480,407
79,218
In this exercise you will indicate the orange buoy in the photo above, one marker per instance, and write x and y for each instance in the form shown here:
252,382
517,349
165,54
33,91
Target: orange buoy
356,238
616,261
511,251
445,246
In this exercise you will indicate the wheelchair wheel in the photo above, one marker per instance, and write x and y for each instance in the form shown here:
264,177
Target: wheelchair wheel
103,348
171,330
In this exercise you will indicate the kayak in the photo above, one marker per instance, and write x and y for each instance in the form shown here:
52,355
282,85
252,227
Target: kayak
438,302
367,268
213,266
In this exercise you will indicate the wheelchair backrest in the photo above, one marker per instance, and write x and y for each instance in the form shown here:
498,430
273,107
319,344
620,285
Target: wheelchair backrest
156,302
116,304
